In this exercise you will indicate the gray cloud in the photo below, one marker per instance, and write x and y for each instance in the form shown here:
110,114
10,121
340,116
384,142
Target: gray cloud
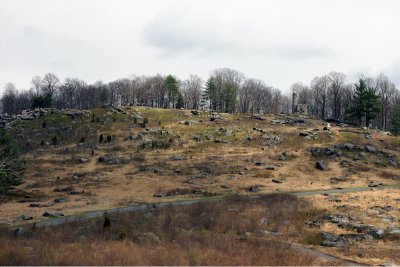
181,34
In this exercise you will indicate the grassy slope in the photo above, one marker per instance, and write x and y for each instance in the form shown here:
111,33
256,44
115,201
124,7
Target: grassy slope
205,165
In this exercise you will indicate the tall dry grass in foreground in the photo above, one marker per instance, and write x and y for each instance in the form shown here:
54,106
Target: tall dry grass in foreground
227,232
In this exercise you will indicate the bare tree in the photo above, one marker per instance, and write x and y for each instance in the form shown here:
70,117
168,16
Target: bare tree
319,87
191,91
337,82
50,83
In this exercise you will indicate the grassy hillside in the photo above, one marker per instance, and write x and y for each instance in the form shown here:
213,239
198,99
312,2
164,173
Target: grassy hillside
108,158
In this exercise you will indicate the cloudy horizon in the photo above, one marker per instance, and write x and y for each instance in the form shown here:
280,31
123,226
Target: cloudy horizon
279,42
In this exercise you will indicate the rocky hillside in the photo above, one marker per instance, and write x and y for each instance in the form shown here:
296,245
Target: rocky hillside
80,161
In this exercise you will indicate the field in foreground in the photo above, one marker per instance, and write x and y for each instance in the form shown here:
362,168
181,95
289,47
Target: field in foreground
233,231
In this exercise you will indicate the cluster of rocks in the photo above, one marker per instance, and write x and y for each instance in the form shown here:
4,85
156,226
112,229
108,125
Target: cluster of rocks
111,160
289,120
272,139
363,231
116,110
313,134
6,120
337,151
155,144
214,116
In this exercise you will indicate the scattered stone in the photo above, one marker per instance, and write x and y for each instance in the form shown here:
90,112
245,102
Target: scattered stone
320,166
225,186
277,180
26,217
60,200
177,157
83,160
254,188
52,215
304,133
257,117
103,159
331,240
336,180
370,149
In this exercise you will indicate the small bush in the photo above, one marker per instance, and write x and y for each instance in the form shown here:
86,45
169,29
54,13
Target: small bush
44,124
82,140
106,223
101,138
109,138
54,140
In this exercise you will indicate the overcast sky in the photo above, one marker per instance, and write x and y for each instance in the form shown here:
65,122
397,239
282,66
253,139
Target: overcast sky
280,42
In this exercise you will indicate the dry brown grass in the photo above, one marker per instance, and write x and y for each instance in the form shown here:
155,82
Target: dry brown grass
227,232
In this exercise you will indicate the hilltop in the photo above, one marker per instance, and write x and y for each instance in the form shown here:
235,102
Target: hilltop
79,161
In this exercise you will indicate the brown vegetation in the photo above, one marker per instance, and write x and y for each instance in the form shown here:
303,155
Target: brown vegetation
233,231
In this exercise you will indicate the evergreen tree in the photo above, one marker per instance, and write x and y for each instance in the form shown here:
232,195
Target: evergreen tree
172,87
103,96
210,94
230,99
372,106
396,122
180,103
365,104
42,101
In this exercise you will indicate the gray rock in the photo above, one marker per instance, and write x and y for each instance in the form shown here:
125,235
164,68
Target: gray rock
254,188
26,217
61,200
393,231
103,159
303,133
370,149
83,160
277,180
348,146
49,214
320,166
177,157
331,240
376,232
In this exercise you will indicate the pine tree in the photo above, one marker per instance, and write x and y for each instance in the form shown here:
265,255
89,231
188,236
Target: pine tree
365,104
180,102
172,86
210,93
372,106
396,122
